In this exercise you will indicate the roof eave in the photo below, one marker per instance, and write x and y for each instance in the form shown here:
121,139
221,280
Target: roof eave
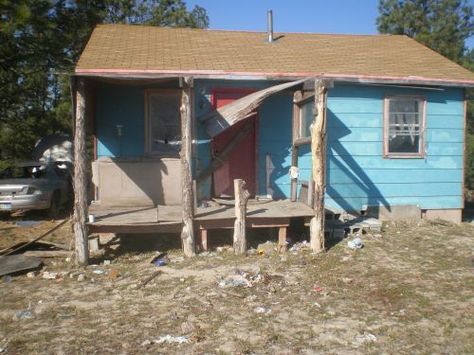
236,75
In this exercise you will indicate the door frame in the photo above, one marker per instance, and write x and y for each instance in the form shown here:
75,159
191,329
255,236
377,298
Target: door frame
245,91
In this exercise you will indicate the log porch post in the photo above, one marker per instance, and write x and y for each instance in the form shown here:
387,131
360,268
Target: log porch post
80,176
187,233
240,234
318,142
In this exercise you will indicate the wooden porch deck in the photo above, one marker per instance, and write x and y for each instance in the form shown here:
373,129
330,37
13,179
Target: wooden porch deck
167,219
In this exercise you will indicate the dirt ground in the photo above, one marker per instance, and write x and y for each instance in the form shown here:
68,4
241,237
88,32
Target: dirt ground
409,290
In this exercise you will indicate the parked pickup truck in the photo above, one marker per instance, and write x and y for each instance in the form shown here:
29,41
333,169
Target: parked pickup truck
35,186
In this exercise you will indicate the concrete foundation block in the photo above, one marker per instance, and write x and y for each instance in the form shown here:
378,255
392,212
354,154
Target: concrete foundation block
450,215
394,213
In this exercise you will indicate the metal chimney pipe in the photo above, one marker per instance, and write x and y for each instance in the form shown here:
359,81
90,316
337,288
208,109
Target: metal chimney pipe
270,26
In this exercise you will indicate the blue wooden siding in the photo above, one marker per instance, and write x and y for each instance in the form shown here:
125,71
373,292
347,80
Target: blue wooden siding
357,173
274,139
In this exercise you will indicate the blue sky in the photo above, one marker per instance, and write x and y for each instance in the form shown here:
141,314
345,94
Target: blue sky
321,16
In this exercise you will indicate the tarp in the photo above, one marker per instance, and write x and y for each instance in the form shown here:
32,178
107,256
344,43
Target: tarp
238,110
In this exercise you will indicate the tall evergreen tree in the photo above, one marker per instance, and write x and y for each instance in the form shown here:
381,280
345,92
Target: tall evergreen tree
442,25
40,42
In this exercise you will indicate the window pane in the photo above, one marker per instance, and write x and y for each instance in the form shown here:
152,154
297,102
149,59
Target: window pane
165,123
306,119
404,127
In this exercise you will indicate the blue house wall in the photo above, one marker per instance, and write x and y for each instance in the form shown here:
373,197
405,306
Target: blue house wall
357,173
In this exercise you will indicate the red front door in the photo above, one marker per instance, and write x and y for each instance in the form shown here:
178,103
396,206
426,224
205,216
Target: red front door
241,161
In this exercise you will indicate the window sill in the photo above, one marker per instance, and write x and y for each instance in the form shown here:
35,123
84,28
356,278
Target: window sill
158,155
404,156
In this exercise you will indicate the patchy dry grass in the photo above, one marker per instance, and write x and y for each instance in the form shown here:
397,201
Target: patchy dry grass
409,291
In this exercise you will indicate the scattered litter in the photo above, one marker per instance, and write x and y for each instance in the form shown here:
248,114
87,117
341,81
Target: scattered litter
98,271
365,338
49,275
26,314
169,339
241,279
146,342
316,304
347,280
160,260
81,277
74,274
172,339
251,298
304,245
266,249
114,274
317,288
234,281
224,249
262,310
355,243
107,262
32,274
401,312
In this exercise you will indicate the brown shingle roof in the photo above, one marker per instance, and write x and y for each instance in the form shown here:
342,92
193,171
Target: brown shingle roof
129,49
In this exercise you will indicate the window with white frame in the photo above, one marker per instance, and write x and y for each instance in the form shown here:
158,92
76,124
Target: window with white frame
163,121
404,126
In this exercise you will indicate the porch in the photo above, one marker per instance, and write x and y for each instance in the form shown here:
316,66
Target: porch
168,219
179,170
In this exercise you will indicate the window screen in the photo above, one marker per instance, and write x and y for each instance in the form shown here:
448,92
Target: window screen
164,122
405,120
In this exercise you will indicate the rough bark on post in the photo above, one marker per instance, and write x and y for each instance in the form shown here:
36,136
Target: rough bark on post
187,233
241,198
80,177
318,135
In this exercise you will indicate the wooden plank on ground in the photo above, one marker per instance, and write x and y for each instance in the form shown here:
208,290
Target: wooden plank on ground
10,264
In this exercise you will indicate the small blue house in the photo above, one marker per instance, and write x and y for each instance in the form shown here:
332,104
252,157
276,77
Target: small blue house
395,119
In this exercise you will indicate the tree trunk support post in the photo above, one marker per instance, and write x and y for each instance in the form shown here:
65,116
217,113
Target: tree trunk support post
187,233
282,232
241,198
80,176
318,142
